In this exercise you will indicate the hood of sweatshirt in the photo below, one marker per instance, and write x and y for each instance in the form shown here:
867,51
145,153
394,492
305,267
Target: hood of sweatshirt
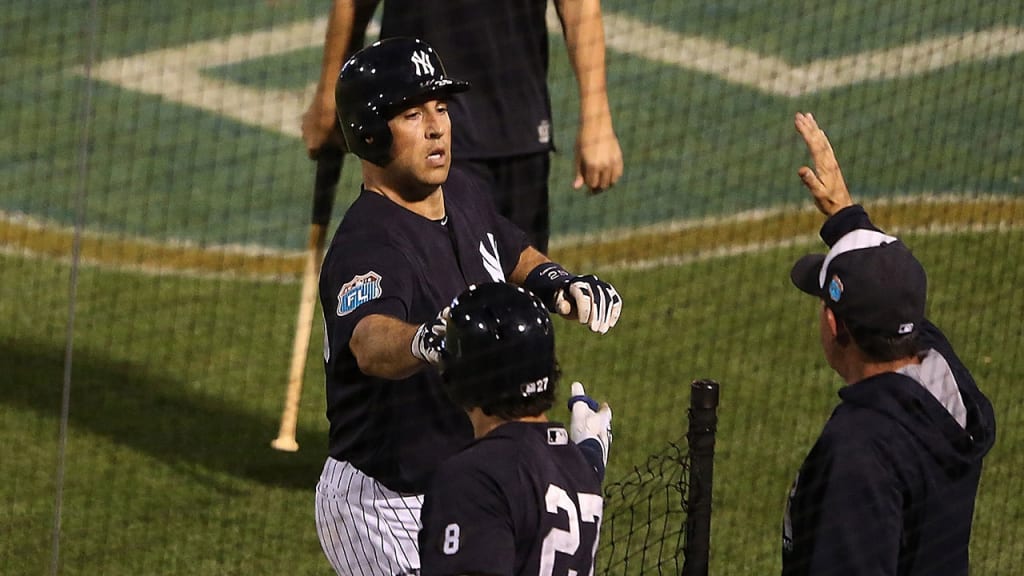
941,407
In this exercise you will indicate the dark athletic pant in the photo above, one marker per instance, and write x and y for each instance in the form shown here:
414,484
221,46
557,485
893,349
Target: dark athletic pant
520,191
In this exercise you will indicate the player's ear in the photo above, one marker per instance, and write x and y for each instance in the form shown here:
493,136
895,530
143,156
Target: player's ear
836,327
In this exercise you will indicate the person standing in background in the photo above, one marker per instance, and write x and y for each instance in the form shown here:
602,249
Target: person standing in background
505,131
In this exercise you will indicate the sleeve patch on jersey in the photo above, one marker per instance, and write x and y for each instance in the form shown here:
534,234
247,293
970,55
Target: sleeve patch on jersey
358,291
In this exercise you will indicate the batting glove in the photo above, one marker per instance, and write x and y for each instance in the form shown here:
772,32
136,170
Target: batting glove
593,301
428,342
586,298
590,428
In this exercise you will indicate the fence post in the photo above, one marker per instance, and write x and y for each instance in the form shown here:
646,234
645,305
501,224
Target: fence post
703,416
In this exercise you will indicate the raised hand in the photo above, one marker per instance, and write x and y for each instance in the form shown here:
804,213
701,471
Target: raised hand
825,182
590,427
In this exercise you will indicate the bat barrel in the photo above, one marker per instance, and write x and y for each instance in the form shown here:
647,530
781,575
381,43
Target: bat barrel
328,171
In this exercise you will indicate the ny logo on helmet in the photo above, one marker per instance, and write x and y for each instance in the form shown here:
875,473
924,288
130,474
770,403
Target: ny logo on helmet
422,61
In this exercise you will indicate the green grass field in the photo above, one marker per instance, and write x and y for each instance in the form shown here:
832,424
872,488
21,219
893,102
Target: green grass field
178,384
178,378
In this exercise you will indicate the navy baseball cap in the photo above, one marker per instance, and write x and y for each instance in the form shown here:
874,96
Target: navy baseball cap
868,279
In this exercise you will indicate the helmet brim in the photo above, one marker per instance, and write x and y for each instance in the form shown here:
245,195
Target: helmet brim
430,90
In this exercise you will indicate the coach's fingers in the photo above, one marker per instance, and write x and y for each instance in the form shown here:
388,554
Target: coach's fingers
813,135
816,141
824,157
825,181
815,186
811,181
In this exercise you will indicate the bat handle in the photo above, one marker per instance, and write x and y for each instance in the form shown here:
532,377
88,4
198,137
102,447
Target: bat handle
328,171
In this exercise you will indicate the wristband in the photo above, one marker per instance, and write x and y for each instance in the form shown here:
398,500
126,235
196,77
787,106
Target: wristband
545,281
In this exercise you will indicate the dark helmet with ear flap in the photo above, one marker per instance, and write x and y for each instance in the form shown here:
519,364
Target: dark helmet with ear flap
499,346
377,83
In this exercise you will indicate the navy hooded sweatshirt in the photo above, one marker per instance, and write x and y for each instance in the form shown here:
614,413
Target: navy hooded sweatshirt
890,485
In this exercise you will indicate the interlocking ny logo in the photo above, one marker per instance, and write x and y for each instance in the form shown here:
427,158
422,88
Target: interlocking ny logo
422,61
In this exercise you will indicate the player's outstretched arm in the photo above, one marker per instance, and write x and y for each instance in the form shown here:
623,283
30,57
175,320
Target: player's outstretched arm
598,156
585,298
825,182
389,348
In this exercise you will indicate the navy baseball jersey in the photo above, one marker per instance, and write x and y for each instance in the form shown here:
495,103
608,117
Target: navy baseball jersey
501,48
385,259
522,500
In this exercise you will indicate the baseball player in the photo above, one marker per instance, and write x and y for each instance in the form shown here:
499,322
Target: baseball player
501,47
522,499
889,487
417,235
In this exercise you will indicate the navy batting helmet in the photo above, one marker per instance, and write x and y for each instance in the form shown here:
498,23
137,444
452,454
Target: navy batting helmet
377,83
499,347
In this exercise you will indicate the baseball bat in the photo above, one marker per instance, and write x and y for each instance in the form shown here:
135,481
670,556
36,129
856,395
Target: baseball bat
328,171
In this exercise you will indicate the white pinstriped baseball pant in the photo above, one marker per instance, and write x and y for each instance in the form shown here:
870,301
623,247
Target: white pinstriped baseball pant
366,529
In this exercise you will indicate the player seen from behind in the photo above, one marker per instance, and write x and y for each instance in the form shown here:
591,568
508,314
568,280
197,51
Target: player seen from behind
523,498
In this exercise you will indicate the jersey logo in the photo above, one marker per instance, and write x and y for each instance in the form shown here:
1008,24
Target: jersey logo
558,437
358,291
491,261
423,65
544,132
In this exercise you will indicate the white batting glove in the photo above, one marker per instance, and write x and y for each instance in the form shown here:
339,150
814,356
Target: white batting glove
590,427
428,342
594,301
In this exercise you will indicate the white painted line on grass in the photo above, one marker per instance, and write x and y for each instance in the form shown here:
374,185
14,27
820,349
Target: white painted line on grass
177,73
775,76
